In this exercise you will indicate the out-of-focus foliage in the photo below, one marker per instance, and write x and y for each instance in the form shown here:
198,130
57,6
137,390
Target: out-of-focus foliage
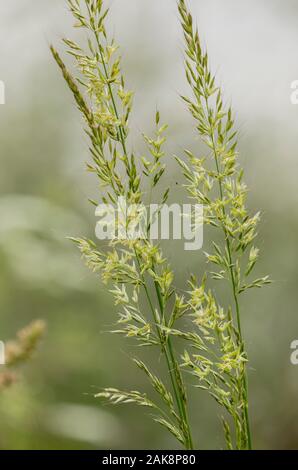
20,350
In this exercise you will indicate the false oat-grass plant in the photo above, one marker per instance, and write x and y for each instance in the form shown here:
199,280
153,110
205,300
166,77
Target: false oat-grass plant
217,182
136,269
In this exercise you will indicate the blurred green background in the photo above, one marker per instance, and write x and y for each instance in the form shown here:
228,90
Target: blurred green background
44,190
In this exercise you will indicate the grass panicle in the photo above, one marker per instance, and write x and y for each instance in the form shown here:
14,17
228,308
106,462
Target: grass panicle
217,182
133,269
136,272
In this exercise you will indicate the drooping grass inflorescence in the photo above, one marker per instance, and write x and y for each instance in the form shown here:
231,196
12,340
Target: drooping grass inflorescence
135,269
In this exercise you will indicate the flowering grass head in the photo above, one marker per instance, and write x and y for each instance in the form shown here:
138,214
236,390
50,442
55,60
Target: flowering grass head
136,272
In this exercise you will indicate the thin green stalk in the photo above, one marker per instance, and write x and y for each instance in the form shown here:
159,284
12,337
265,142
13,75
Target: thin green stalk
174,362
245,380
232,275
170,361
